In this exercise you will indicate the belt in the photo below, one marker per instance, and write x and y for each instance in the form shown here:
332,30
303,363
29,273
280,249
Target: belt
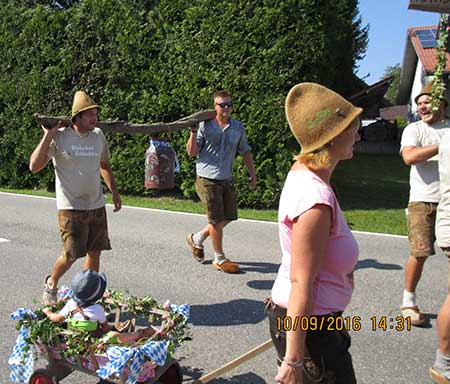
280,311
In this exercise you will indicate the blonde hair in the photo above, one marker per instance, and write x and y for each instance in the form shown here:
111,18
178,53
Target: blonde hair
315,160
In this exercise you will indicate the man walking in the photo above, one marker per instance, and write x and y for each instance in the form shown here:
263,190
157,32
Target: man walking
80,155
216,143
440,372
419,147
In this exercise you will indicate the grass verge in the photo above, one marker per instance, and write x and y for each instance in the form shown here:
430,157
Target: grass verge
372,189
382,221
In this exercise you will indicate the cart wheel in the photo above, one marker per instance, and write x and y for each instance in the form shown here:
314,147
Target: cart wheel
43,376
171,375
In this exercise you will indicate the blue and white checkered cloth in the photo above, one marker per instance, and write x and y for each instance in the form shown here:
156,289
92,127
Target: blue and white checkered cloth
183,309
21,361
119,356
65,293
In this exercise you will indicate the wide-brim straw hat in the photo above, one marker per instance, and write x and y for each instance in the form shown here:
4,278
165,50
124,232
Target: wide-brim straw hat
88,286
82,102
428,90
316,115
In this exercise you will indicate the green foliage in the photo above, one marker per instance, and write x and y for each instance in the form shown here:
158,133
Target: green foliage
438,91
159,60
392,91
401,124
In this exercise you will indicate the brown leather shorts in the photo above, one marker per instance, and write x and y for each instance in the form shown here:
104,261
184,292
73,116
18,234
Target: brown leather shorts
421,219
83,231
218,198
326,360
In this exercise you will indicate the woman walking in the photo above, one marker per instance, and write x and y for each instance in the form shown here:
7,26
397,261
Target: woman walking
319,253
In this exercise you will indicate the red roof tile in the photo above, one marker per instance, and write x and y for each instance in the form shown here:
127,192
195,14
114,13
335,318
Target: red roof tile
427,56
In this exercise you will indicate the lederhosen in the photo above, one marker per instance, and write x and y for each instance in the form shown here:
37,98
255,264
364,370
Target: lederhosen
326,359
99,331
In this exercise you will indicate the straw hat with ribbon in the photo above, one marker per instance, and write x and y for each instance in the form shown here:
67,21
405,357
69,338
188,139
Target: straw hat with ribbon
82,102
316,115
88,286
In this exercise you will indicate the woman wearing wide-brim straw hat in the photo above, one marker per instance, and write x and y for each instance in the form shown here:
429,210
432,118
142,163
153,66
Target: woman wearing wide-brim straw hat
319,253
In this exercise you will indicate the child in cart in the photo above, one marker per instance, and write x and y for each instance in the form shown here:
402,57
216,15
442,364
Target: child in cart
83,313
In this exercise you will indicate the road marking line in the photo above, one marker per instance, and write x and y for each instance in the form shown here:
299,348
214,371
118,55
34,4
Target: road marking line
201,215
3,240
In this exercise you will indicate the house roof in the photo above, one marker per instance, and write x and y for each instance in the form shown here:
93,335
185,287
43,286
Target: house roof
372,94
414,51
427,56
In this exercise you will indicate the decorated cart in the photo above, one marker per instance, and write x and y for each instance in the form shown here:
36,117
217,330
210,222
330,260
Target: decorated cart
148,360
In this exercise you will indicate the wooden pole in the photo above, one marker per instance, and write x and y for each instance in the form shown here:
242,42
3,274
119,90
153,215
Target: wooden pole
234,363
126,127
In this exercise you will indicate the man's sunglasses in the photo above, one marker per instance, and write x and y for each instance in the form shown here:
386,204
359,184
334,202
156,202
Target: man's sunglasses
228,104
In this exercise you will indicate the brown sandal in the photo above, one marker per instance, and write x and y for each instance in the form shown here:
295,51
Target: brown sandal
49,295
417,318
438,377
197,251
227,266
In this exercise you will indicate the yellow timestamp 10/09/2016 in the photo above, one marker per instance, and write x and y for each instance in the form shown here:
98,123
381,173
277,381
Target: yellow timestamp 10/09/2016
385,323
349,323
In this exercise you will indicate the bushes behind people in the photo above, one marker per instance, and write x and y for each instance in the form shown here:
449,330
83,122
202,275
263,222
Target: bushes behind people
159,60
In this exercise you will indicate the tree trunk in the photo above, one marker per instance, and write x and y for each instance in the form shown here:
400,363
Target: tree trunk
126,127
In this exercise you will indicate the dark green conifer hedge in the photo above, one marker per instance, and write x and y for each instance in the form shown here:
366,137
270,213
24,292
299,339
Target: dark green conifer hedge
159,60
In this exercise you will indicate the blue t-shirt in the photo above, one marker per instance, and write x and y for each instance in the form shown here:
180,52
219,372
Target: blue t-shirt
218,148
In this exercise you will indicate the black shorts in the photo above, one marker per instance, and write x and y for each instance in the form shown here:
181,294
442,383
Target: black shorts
326,360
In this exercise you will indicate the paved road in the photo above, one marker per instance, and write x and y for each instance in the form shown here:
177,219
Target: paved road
150,256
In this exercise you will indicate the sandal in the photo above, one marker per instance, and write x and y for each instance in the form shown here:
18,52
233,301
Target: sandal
417,318
50,295
226,266
437,377
197,251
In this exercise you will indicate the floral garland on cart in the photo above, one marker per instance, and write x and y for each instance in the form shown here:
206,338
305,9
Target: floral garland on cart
36,331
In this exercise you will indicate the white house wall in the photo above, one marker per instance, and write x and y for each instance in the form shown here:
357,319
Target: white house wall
420,79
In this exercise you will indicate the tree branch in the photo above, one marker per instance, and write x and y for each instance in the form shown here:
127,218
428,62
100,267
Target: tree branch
126,127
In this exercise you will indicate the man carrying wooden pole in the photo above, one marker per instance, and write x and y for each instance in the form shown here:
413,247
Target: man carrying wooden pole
80,155
216,143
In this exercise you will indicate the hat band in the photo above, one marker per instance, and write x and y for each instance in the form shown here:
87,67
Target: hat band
95,294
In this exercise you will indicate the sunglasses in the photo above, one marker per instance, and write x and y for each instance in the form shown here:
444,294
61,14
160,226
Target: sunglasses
228,104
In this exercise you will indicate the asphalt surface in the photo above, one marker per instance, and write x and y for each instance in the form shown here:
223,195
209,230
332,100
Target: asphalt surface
150,256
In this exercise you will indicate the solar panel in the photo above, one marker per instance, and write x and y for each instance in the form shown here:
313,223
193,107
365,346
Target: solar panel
427,37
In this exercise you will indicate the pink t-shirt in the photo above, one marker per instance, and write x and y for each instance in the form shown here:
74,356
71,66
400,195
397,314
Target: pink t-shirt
333,287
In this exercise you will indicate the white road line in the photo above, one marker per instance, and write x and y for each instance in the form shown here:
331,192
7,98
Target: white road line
201,215
3,240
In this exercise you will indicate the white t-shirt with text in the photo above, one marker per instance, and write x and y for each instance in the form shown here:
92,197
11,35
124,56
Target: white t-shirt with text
76,159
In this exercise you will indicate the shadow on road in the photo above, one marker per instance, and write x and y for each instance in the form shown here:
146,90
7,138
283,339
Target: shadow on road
193,374
262,285
249,378
234,312
259,267
372,263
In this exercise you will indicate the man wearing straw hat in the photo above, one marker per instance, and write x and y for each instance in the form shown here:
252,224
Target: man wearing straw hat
80,155
419,149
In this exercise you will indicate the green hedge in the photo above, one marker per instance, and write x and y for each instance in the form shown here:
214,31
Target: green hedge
150,60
